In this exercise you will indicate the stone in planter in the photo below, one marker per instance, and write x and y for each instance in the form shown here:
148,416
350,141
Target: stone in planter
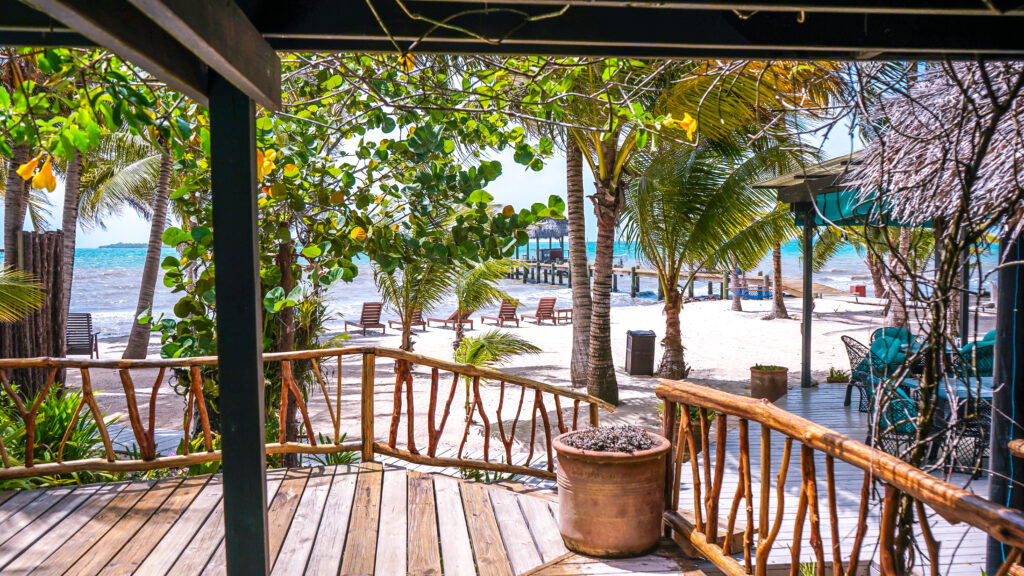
768,382
610,504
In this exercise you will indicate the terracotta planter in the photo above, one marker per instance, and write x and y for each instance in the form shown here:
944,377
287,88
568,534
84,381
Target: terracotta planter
770,384
610,504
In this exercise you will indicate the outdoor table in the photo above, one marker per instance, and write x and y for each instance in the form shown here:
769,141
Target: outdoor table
563,314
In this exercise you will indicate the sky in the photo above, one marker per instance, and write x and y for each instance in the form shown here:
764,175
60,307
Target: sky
517,186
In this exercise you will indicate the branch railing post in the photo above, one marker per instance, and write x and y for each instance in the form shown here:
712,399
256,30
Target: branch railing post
366,408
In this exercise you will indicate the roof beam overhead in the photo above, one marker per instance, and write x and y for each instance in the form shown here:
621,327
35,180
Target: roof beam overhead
220,34
124,30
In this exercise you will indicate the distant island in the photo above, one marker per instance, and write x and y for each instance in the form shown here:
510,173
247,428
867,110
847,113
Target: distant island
126,245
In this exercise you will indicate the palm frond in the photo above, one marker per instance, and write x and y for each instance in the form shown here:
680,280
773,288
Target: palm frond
20,294
493,348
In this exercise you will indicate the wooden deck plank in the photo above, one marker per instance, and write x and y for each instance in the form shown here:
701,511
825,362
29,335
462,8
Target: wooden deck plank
93,530
34,509
298,543
456,547
543,526
325,558
424,542
515,532
17,501
361,542
488,549
123,529
43,546
282,508
147,537
164,555
392,533
22,539
205,553
666,560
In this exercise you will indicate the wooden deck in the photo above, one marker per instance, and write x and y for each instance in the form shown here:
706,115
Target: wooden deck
361,519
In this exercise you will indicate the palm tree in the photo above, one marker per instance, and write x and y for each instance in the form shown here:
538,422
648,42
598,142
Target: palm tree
492,348
20,294
581,305
477,286
418,285
695,207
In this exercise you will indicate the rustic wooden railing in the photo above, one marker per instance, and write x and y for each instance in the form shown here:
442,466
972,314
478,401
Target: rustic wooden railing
698,523
468,384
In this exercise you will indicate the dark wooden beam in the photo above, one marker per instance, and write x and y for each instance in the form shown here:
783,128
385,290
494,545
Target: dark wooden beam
808,299
239,324
124,30
220,34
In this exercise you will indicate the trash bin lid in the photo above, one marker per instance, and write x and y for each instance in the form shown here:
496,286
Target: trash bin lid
640,332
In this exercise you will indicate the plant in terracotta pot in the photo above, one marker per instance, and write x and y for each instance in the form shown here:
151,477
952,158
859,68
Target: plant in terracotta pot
611,490
768,381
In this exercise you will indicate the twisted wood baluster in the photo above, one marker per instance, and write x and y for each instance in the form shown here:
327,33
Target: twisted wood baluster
431,408
337,406
152,406
886,535
396,403
766,474
558,410
812,498
470,408
97,415
575,414
748,496
533,428
200,400
680,444
730,520
929,539
187,426
410,435
833,515
444,416
515,424
28,416
67,433
547,431
721,429
327,397
1011,559
801,516
483,416
705,438
687,433
764,547
862,517
146,446
293,386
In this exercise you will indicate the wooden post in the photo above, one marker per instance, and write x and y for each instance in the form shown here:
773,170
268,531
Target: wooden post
1006,477
615,282
725,286
805,320
526,274
668,429
632,282
366,406
239,322
711,288
594,421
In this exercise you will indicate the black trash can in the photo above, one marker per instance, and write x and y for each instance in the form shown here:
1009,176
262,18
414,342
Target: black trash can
640,352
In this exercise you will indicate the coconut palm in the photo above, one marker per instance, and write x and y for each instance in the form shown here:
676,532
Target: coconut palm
492,348
476,286
695,207
418,285
20,294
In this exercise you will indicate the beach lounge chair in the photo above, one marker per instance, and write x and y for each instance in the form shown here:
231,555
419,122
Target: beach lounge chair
456,318
369,318
79,337
417,320
545,311
507,313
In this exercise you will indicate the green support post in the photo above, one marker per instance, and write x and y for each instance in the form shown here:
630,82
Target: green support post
632,282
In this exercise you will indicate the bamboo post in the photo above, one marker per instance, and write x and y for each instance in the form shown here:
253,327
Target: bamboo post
366,415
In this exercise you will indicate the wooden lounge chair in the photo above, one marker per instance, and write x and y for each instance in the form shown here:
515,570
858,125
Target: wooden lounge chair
369,318
545,311
507,313
417,320
79,337
456,318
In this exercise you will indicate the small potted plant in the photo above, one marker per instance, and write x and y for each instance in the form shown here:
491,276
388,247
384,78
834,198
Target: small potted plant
837,376
768,381
611,490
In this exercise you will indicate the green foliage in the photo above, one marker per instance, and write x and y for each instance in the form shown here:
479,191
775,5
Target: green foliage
767,367
20,294
485,476
197,444
837,375
492,348
335,459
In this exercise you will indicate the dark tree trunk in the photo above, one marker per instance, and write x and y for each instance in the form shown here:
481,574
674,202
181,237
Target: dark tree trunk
41,332
15,203
69,226
673,363
778,302
138,339
286,343
581,305
607,204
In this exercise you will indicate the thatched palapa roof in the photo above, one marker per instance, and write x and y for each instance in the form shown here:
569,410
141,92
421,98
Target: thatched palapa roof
930,136
548,228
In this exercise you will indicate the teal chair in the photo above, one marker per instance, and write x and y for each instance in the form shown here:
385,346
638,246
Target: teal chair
974,360
893,332
896,429
888,354
990,337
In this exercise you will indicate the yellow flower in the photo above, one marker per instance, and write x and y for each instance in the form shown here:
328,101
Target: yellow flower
45,178
406,61
357,234
378,199
27,169
265,162
508,211
394,227
688,124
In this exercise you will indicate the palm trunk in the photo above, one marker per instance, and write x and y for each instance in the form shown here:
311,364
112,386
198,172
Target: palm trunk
581,306
69,224
734,278
896,315
15,203
673,363
877,271
778,302
138,339
607,200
